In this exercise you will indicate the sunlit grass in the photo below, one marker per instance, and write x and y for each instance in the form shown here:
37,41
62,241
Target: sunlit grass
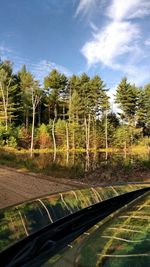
118,167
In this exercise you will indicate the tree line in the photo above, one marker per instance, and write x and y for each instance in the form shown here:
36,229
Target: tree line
69,112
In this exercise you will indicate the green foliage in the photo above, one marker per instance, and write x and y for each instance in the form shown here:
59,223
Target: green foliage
8,137
69,113
43,137
12,142
24,137
126,136
126,97
2,135
122,137
143,111
144,141
8,86
60,131
55,85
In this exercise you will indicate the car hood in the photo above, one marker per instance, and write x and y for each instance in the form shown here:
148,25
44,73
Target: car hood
121,237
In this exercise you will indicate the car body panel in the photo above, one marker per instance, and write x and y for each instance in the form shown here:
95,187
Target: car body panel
20,221
121,240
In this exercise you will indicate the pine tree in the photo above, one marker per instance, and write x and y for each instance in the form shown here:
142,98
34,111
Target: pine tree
26,82
7,89
36,96
126,97
147,107
141,108
55,84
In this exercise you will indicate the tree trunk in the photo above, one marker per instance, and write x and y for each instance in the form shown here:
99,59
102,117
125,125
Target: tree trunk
106,136
63,112
39,113
55,112
27,121
69,106
94,136
67,136
86,134
5,104
73,136
6,119
32,135
125,149
54,139
67,158
53,131
87,165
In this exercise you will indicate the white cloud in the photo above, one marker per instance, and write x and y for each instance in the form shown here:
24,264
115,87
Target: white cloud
147,42
113,41
93,27
117,44
43,67
136,74
4,51
39,69
127,9
111,93
85,6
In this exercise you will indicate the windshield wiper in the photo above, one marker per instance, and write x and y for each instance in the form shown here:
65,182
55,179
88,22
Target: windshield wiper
35,249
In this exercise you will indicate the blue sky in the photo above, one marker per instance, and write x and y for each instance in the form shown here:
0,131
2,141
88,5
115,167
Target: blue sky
106,37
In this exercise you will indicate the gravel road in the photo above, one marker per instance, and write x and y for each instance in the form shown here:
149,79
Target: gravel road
17,186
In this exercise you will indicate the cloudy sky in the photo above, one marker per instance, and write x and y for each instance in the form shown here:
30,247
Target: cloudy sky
106,37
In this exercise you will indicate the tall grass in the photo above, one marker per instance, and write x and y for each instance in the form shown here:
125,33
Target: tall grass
115,168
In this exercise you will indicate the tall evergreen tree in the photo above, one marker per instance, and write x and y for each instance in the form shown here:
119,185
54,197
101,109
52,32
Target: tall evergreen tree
26,83
7,89
147,107
126,97
36,96
141,108
55,84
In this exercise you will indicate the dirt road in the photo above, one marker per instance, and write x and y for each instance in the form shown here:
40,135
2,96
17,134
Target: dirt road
17,186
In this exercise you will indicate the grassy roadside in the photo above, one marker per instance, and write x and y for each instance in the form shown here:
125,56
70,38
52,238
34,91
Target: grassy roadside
111,171
15,160
120,171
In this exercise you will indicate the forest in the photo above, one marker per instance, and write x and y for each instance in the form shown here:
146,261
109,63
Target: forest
70,113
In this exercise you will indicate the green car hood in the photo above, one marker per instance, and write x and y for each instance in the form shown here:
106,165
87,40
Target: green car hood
121,238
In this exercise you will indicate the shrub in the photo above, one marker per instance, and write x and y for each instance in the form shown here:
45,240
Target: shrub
43,137
24,137
12,142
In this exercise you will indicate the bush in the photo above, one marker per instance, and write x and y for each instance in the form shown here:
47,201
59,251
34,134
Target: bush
126,136
43,138
60,133
12,142
24,137
8,137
